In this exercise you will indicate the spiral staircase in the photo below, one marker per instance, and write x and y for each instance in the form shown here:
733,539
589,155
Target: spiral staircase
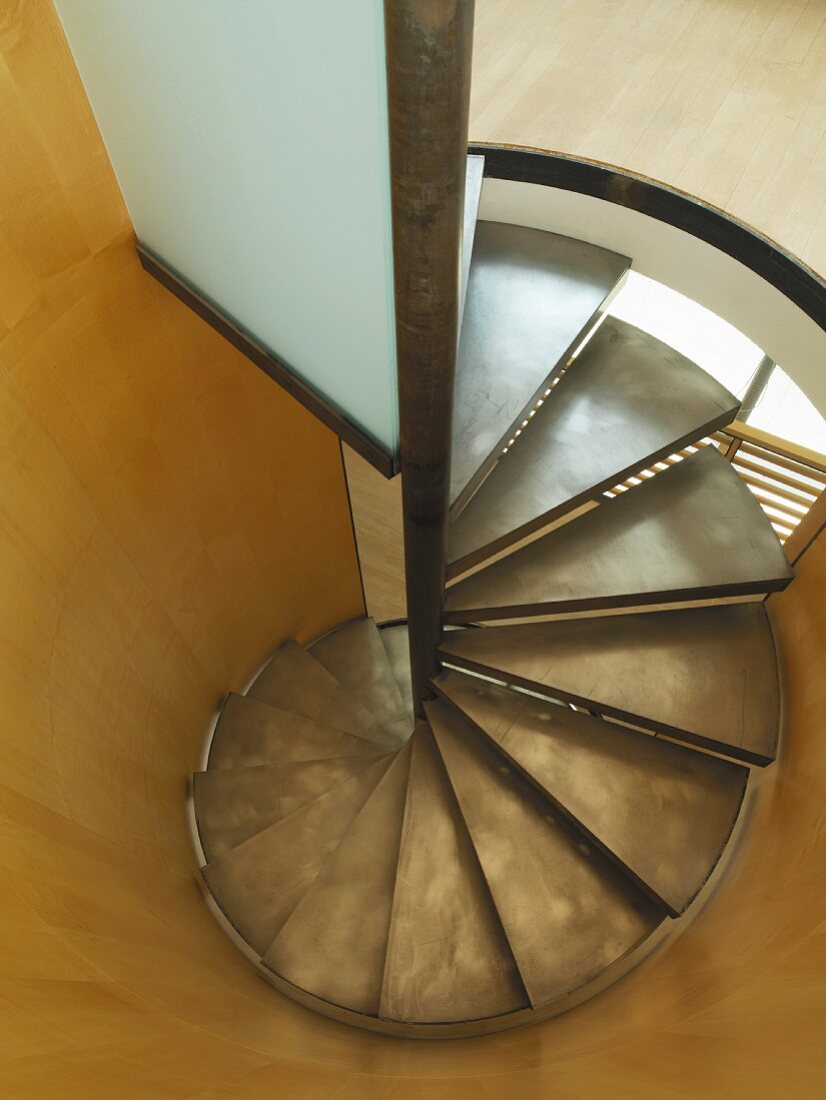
585,759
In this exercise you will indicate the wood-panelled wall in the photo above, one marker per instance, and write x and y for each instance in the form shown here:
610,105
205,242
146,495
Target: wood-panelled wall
167,517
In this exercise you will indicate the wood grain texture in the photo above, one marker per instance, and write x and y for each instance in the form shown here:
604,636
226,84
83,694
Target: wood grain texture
114,981
377,516
726,101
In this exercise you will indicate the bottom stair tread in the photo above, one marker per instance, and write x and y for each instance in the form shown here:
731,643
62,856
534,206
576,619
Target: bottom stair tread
447,957
258,884
568,913
334,943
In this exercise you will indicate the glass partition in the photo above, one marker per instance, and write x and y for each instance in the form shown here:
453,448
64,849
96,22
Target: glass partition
250,142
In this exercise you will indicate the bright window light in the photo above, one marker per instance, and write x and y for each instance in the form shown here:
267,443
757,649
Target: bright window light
691,329
785,410
723,351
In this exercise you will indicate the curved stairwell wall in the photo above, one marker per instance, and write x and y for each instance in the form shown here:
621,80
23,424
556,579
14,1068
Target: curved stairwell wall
168,517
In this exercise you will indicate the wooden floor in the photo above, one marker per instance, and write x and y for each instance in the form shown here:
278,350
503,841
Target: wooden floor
724,99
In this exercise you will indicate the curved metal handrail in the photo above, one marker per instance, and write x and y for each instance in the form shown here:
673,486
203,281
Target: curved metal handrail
785,272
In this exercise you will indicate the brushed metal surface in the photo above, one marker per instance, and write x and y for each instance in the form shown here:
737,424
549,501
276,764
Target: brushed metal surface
355,656
531,298
694,531
397,646
707,675
258,884
567,911
663,811
232,806
626,401
250,732
334,943
295,681
447,957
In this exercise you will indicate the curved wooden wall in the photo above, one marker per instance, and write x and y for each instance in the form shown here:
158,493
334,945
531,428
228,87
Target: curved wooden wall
167,517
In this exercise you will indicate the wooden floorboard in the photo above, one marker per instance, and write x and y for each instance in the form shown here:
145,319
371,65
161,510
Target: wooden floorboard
727,101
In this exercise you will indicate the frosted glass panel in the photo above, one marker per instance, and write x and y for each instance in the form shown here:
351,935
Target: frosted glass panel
250,140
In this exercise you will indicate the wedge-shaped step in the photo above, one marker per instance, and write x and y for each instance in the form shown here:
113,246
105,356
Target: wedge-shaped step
707,676
397,646
295,681
694,531
250,732
663,811
354,654
232,806
447,957
568,913
531,298
258,884
626,401
334,943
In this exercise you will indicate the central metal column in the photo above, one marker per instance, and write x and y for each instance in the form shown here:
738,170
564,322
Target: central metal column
428,76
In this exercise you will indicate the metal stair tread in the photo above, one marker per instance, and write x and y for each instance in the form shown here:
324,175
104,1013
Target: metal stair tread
355,656
294,680
397,647
707,676
258,884
232,805
568,913
250,732
626,401
663,811
531,298
333,945
692,531
447,957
